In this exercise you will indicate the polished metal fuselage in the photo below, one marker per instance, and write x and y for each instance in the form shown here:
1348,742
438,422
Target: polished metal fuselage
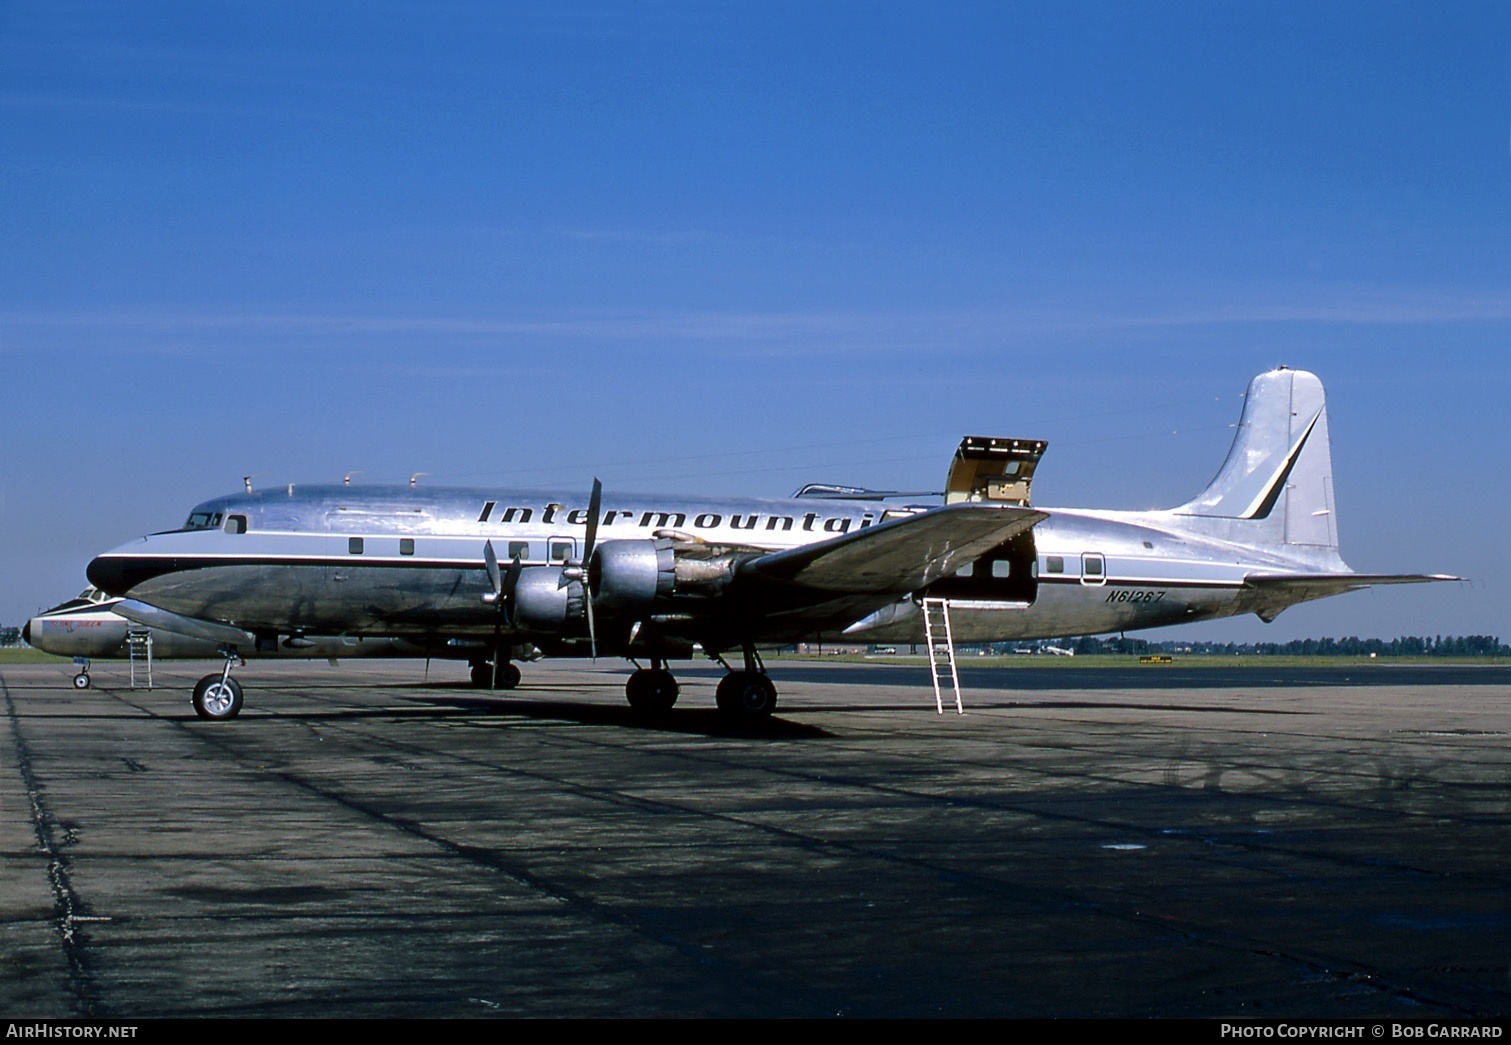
405,562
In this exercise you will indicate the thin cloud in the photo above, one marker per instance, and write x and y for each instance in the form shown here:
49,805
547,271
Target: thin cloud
837,332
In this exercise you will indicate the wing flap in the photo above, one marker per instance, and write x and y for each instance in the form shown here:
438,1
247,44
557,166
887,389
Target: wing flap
898,556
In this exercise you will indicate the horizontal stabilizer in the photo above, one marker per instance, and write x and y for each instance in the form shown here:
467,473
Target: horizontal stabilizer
1320,584
1268,594
899,556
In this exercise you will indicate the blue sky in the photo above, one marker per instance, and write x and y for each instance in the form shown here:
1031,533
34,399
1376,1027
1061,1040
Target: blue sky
735,247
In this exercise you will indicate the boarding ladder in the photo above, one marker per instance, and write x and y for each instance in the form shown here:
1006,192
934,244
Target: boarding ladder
941,642
139,649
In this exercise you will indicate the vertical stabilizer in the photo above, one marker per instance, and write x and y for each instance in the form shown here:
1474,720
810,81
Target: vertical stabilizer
1277,482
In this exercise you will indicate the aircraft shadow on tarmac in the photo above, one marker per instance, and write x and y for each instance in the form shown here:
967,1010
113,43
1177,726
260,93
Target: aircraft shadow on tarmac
1061,705
702,721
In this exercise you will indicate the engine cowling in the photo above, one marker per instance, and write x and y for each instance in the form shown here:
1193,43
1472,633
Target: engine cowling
542,603
632,576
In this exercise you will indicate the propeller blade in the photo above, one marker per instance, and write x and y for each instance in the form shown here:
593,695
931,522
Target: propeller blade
587,600
507,585
595,503
490,559
595,506
498,645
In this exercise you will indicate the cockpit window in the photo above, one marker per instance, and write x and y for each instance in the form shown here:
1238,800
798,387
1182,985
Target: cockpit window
203,521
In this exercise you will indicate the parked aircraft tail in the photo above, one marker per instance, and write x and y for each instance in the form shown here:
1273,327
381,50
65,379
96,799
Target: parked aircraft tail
1276,486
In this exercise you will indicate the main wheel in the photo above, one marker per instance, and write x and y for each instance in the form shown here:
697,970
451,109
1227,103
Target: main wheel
746,695
652,690
482,676
81,680
216,697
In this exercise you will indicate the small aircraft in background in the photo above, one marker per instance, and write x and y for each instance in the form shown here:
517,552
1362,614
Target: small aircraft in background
658,578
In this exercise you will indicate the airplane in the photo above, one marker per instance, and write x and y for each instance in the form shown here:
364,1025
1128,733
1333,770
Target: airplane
658,578
87,628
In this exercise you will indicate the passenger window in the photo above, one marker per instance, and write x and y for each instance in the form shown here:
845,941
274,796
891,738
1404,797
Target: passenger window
354,545
967,570
1093,568
561,551
1001,568
1054,564
519,549
236,524
406,545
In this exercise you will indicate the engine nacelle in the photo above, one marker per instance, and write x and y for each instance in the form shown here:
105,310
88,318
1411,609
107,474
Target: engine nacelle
542,603
631,576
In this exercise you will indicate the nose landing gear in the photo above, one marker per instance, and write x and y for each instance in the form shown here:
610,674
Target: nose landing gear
217,696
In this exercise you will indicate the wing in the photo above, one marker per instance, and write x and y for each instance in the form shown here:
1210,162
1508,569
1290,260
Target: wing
192,627
787,595
895,557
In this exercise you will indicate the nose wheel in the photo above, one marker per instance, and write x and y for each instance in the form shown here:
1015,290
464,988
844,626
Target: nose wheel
217,696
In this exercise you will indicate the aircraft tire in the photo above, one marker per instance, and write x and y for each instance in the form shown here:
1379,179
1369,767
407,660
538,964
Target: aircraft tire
482,676
652,690
217,699
746,695
81,680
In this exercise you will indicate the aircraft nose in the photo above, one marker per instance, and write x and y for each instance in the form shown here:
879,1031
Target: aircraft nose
26,633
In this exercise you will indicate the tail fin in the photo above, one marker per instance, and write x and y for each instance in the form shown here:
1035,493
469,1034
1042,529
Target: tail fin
1276,486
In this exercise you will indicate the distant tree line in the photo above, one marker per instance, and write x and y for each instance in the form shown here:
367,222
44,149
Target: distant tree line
1405,646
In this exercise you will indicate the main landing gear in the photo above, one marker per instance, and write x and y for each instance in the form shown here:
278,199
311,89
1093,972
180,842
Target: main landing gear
652,690
483,676
746,695
743,696
218,695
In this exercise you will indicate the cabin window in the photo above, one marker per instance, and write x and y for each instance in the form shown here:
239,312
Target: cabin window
967,570
236,524
202,521
561,551
1093,568
406,545
519,549
1001,568
354,545
1054,564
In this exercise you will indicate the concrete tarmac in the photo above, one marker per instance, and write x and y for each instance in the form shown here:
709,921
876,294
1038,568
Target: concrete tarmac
362,842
